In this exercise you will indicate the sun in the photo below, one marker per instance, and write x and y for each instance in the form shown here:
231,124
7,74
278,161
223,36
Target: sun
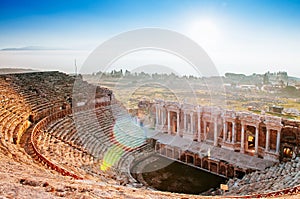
204,31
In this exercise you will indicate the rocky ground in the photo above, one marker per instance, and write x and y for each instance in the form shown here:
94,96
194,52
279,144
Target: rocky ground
22,177
279,177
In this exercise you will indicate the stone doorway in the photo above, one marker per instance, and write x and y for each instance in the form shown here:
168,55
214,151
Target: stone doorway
288,152
251,142
174,125
250,139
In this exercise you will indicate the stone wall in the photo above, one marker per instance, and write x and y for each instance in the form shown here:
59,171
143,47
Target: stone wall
263,136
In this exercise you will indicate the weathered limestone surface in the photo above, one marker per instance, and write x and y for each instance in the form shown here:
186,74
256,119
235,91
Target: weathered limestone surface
263,136
32,166
279,177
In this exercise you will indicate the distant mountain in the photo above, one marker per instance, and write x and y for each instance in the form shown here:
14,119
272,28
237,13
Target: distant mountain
294,78
280,77
154,68
16,70
32,48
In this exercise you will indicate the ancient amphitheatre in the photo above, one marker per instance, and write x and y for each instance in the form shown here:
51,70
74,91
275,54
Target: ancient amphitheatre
43,155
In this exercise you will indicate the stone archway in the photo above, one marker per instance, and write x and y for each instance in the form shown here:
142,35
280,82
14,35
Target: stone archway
198,162
190,159
222,170
183,157
205,164
173,124
250,139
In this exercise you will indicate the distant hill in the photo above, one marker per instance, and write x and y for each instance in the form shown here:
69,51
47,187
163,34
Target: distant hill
294,78
32,48
153,68
279,78
15,70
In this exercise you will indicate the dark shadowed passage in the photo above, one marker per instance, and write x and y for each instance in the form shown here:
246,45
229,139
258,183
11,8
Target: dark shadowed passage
174,176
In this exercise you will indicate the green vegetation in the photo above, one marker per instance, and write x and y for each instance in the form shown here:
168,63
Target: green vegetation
256,92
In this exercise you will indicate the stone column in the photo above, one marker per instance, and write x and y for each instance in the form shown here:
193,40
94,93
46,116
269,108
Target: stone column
173,153
161,149
215,132
278,142
267,140
192,124
159,115
256,139
162,118
156,112
233,133
184,123
224,131
204,130
178,125
243,139
169,127
199,127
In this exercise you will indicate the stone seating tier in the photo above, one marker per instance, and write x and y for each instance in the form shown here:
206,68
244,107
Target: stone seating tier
282,176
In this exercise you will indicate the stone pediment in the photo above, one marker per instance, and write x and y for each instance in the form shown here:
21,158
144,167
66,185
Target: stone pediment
188,107
229,114
272,119
159,101
273,122
249,118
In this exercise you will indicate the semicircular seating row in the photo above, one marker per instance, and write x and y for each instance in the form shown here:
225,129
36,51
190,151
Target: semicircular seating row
82,145
285,175
13,115
78,148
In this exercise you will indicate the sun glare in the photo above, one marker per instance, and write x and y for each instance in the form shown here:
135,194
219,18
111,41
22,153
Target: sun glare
204,31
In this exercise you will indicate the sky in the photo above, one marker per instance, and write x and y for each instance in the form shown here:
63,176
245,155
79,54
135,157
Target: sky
242,36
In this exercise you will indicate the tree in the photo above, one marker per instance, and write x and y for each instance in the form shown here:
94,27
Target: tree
127,73
266,78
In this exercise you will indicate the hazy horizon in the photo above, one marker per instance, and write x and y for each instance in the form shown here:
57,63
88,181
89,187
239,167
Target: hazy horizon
239,36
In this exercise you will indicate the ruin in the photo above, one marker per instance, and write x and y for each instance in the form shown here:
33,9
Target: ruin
39,110
263,136
233,144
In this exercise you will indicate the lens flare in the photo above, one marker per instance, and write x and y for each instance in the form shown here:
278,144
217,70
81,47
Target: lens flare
126,136
111,157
